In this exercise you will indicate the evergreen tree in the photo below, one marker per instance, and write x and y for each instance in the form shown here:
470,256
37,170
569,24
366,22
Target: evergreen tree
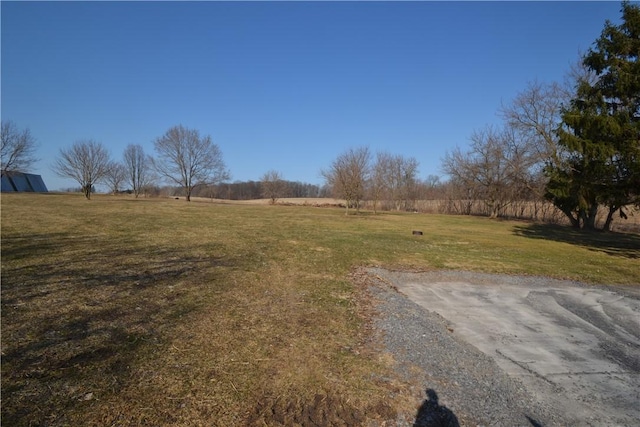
600,131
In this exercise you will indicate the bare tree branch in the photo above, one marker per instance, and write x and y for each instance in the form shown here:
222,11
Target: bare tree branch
18,148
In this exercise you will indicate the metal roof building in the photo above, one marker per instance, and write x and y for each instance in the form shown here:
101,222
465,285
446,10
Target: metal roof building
21,182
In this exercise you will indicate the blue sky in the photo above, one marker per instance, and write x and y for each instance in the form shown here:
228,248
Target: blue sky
281,85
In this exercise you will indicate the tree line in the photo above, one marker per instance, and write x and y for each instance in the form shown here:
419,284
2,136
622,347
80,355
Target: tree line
389,180
272,187
183,158
575,145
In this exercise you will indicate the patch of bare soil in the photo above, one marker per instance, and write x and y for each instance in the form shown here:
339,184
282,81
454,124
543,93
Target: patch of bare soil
320,410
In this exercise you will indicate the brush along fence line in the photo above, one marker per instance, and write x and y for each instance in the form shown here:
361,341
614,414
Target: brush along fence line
538,211
544,212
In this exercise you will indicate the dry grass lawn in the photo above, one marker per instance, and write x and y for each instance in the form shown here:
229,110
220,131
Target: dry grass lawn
118,311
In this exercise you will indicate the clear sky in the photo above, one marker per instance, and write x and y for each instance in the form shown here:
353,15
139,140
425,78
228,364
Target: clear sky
281,85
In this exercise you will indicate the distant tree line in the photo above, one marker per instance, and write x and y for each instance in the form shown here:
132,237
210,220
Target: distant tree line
252,190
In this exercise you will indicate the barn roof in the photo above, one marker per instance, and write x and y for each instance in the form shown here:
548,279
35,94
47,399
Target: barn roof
20,182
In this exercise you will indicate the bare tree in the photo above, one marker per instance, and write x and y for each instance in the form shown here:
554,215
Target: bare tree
431,188
273,186
462,189
348,176
394,177
150,179
189,160
115,177
18,148
534,115
401,180
136,166
432,181
378,182
492,170
86,161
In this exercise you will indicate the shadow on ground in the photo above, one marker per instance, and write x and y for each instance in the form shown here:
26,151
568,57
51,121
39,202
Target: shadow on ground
432,414
624,245
77,312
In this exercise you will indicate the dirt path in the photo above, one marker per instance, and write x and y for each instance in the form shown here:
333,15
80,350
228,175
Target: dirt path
576,349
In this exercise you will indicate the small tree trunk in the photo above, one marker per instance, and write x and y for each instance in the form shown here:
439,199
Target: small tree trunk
574,220
609,222
589,219
575,223
494,212
492,205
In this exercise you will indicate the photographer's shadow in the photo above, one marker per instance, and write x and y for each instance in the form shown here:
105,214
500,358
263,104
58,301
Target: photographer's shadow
431,414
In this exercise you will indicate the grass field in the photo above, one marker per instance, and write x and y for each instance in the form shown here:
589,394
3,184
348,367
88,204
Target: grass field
118,311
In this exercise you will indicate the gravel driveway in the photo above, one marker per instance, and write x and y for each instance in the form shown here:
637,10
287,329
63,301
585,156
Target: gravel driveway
512,351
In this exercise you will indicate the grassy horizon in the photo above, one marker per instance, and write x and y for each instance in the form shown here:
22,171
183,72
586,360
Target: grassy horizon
118,311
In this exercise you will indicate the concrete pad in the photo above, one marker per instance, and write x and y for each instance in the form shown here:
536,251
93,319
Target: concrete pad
574,347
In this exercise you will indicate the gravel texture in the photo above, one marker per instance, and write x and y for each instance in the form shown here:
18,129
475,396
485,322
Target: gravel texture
471,389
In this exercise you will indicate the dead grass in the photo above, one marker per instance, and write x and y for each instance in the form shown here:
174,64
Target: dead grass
299,201
160,312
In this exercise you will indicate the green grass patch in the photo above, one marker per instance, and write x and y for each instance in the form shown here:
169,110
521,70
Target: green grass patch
160,312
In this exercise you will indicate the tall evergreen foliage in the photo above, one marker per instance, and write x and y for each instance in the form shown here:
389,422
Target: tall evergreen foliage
600,132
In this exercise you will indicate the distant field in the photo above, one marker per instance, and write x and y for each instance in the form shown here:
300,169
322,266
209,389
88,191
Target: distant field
118,311
309,201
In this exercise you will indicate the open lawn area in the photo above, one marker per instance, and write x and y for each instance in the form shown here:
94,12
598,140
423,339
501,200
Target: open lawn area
118,311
